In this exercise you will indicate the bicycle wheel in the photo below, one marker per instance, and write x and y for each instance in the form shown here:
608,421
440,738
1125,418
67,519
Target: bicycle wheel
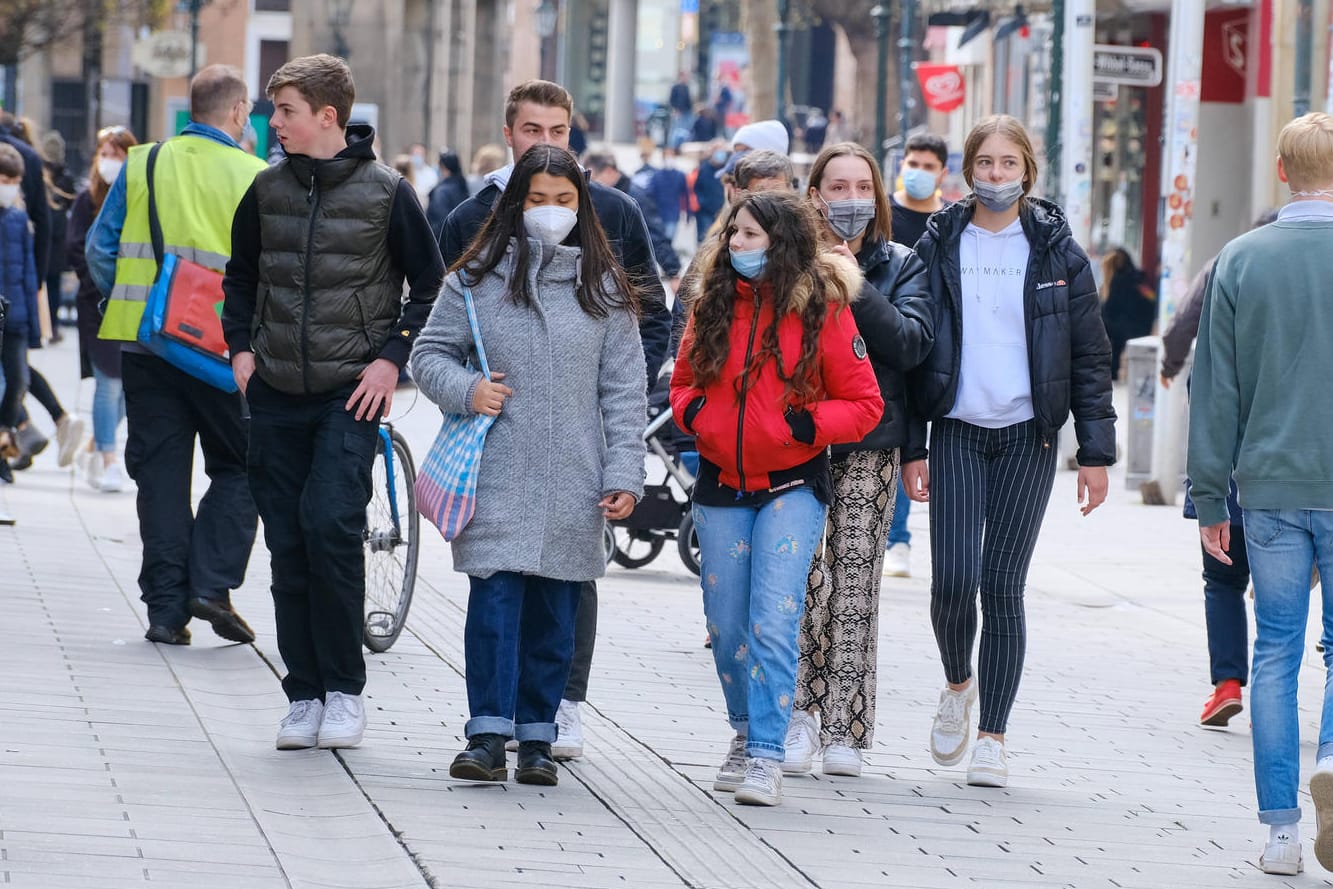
687,541
634,549
390,538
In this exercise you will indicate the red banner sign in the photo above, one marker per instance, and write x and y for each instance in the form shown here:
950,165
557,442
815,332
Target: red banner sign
942,86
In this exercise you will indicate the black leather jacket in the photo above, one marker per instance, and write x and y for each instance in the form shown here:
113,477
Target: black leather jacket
1069,354
893,314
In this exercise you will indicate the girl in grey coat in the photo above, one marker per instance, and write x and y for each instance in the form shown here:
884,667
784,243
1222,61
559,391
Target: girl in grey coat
559,324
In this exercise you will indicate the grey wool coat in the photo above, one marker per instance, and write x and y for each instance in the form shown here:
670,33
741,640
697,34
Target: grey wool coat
571,433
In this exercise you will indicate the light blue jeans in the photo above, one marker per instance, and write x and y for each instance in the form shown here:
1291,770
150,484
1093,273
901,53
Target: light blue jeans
1284,546
108,410
754,566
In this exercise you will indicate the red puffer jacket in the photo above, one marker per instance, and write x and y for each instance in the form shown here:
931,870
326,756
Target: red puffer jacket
745,433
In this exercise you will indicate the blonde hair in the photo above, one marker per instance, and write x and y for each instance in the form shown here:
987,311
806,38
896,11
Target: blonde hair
1305,146
1010,128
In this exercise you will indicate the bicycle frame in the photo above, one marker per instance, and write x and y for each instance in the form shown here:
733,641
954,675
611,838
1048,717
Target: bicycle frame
386,438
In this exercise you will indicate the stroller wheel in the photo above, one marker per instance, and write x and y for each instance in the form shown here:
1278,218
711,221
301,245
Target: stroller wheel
634,549
609,543
688,543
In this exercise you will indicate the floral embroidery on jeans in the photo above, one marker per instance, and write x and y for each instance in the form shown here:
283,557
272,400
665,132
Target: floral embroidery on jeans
740,550
787,546
757,674
789,605
742,654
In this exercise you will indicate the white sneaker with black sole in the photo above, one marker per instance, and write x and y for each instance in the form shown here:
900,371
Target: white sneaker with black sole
732,773
762,785
953,721
839,759
344,722
569,732
988,768
299,729
802,743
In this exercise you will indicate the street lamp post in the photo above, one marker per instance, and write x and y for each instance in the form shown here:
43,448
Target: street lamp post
1304,53
546,17
340,16
880,14
193,7
908,12
782,29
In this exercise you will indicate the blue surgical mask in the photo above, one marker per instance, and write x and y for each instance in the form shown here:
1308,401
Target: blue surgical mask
720,158
749,263
919,184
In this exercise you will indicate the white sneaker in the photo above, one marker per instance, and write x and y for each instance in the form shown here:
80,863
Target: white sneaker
839,759
569,732
300,727
113,479
732,773
69,435
762,785
1282,855
988,768
89,465
344,721
953,717
1321,791
802,743
898,560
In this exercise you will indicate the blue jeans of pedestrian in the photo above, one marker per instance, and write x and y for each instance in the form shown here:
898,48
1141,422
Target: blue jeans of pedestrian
108,410
1283,547
755,560
518,644
902,507
1224,588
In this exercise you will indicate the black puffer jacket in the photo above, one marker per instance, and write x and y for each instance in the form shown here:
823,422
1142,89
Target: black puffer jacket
895,319
1069,353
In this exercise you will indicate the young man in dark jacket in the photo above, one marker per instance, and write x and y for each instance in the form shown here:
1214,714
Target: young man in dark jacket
318,333
538,112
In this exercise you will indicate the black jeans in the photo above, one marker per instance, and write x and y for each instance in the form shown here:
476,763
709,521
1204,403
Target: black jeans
1224,589
41,390
585,639
185,554
14,361
310,466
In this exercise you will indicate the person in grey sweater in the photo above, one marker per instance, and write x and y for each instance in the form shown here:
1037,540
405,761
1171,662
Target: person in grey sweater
559,325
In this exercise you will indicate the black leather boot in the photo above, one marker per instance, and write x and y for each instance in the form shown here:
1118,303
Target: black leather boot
535,764
483,760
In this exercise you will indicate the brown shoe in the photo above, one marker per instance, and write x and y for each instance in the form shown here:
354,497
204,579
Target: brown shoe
226,622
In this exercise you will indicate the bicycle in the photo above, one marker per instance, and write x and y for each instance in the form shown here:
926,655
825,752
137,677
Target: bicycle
390,539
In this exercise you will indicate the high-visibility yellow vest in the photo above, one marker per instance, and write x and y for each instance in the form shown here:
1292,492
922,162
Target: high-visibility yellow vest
198,183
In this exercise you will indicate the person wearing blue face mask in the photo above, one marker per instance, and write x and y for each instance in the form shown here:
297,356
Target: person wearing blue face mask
708,196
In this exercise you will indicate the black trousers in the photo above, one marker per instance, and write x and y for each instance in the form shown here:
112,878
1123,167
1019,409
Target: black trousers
988,493
585,639
14,361
310,464
186,553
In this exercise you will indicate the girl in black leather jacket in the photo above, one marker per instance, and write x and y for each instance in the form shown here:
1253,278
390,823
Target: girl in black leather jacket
1019,344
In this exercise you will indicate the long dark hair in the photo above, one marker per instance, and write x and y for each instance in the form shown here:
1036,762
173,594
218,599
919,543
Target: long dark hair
793,235
603,284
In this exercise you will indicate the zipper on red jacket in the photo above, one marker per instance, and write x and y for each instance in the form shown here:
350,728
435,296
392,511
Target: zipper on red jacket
745,388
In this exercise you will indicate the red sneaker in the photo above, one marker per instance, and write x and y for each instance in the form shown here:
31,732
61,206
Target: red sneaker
1224,704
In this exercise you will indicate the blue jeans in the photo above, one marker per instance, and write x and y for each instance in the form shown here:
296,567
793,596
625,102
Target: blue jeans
1224,589
902,507
1284,546
108,410
518,643
755,560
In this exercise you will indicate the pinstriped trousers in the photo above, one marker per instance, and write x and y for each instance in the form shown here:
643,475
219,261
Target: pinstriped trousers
988,493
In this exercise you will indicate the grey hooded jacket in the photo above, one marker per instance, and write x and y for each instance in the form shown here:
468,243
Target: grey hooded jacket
571,433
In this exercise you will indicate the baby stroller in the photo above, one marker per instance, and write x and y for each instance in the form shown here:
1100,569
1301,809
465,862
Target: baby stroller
664,512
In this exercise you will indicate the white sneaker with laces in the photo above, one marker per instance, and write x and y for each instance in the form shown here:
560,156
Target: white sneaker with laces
953,718
89,465
569,732
988,768
344,722
113,479
762,785
839,759
1282,855
300,727
802,743
69,435
732,773
898,560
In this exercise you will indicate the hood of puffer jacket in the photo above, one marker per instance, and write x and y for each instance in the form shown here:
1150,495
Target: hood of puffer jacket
828,265
1043,221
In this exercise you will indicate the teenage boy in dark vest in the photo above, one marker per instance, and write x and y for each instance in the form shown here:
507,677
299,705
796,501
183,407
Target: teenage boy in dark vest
318,331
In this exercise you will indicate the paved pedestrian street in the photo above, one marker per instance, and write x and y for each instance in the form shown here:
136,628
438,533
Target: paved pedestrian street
124,763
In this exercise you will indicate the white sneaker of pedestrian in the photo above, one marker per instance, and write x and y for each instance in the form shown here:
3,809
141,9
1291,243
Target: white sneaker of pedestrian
569,732
988,768
839,759
953,717
1282,855
1321,791
762,785
300,727
732,773
113,478
898,560
89,465
344,721
802,743
69,435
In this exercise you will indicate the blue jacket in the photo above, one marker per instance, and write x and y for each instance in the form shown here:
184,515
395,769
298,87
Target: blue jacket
18,274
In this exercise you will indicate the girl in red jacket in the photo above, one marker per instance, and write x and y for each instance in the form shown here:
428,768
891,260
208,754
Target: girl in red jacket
771,372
